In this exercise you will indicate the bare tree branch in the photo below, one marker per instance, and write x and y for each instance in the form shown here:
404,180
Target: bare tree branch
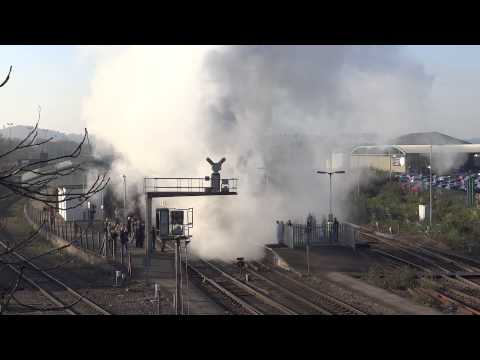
13,290
54,250
31,181
44,309
22,243
7,78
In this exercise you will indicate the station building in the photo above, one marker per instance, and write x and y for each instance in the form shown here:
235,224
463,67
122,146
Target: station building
411,154
74,209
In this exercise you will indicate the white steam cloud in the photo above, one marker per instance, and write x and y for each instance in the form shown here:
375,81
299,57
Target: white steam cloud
275,113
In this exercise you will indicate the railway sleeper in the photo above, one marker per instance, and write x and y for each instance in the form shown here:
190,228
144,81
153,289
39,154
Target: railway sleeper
447,300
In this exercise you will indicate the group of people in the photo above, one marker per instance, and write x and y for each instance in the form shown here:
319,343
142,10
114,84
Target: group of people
136,230
131,232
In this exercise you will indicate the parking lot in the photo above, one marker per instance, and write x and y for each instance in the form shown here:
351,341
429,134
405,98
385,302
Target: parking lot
450,182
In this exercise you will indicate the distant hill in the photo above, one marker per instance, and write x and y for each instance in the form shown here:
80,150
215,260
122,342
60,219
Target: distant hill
474,140
21,131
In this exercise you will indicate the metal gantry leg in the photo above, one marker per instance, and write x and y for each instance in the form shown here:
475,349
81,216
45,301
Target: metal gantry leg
178,279
148,225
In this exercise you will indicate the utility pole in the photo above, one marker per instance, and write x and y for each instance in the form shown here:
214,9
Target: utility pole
178,279
330,173
330,221
9,131
125,199
308,256
102,206
308,230
430,168
390,163
265,176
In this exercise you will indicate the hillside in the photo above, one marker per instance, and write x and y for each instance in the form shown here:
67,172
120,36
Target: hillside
21,131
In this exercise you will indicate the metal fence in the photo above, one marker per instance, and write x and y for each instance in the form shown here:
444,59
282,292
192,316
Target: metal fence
295,236
80,234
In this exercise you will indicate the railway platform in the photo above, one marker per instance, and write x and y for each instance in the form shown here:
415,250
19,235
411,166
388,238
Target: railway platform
327,259
162,272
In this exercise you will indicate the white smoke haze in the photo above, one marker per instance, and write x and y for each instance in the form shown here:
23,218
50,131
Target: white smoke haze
280,108
444,162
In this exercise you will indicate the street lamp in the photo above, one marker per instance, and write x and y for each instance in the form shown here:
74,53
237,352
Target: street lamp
330,215
430,168
9,130
125,199
265,176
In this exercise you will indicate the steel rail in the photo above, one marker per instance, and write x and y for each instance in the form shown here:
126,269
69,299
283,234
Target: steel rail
252,310
407,250
315,291
457,279
45,293
291,294
253,291
59,283
434,253
457,256
381,252
447,260
440,295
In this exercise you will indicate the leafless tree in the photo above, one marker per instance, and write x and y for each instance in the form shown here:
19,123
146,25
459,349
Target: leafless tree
31,181
7,78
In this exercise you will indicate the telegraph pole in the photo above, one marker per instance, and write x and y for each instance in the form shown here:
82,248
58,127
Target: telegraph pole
330,173
265,176
390,163
430,168
9,131
178,279
125,199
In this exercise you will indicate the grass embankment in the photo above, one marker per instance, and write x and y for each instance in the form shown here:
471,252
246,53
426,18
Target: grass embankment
17,229
387,204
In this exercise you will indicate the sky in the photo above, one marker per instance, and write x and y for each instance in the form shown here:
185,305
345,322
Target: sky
58,78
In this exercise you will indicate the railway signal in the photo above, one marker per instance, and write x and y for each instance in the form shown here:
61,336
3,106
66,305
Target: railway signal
174,221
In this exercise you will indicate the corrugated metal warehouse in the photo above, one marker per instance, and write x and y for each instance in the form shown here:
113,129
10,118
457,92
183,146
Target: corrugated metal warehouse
447,154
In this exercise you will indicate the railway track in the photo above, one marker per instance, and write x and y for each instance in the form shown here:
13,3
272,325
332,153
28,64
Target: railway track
421,257
267,291
250,299
319,300
55,291
453,288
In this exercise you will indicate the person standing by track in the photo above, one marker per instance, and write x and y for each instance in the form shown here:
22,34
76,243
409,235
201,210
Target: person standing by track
140,235
124,240
114,234
335,230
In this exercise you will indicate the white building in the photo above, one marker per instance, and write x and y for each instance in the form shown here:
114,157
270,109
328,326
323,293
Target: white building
73,209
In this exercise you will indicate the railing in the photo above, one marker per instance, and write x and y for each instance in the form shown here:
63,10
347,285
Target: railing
80,234
295,236
186,185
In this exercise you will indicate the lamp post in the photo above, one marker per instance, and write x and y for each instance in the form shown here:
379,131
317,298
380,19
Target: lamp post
330,173
430,169
9,131
265,176
125,199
